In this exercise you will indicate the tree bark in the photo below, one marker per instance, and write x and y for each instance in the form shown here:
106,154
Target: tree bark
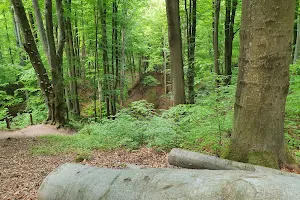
297,35
56,59
77,182
194,160
216,40
175,45
35,58
71,56
41,28
8,39
231,6
105,55
191,39
263,82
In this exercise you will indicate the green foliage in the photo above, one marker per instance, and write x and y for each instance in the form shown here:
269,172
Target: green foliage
139,110
150,81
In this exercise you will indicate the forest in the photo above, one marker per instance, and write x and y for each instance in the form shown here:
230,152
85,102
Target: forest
110,83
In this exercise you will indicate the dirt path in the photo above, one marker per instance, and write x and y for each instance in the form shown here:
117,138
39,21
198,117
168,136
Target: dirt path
21,173
32,131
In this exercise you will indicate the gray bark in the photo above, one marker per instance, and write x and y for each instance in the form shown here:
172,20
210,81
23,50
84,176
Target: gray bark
297,46
77,182
175,45
193,160
40,25
263,83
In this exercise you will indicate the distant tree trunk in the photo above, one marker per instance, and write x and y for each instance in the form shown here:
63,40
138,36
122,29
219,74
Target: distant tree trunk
35,58
83,47
115,59
229,35
263,83
297,45
191,38
8,39
18,37
96,66
175,45
72,61
216,39
122,75
105,55
297,35
295,28
32,25
165,63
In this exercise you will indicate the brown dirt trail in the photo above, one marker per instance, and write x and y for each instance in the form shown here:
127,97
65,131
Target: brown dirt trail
32,131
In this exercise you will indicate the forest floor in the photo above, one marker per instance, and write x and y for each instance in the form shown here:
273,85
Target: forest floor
32,131
21,172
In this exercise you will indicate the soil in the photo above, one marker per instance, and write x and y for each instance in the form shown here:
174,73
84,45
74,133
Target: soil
153,94
21,172
32,131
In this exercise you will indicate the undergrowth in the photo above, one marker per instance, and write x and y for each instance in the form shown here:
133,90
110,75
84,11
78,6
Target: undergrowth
203,127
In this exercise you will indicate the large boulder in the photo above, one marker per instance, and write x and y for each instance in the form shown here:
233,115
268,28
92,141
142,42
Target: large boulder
81,182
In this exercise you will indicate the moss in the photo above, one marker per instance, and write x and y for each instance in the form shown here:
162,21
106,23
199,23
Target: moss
262,158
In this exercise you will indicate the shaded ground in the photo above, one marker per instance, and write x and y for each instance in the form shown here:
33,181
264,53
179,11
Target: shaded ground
21,173
35,130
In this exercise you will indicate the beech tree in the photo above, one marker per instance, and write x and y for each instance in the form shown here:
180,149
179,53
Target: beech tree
175,45
229,35
263,83
54,92
191,15
216,4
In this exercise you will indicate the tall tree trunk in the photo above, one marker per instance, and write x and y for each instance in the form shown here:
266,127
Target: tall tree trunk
165,63
115,59
32,25
105,55
295,27
35,58
8,38
263,83
191,38
175,45
122,75
231,6
18,37
56,59
71,56
41,28
297,35
216,39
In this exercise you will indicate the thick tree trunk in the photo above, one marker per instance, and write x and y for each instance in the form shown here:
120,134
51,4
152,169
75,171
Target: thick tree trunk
35,58
56,59
216,39
263,82
175,45
77,182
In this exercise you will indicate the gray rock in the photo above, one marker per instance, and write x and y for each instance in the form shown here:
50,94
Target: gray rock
79,182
